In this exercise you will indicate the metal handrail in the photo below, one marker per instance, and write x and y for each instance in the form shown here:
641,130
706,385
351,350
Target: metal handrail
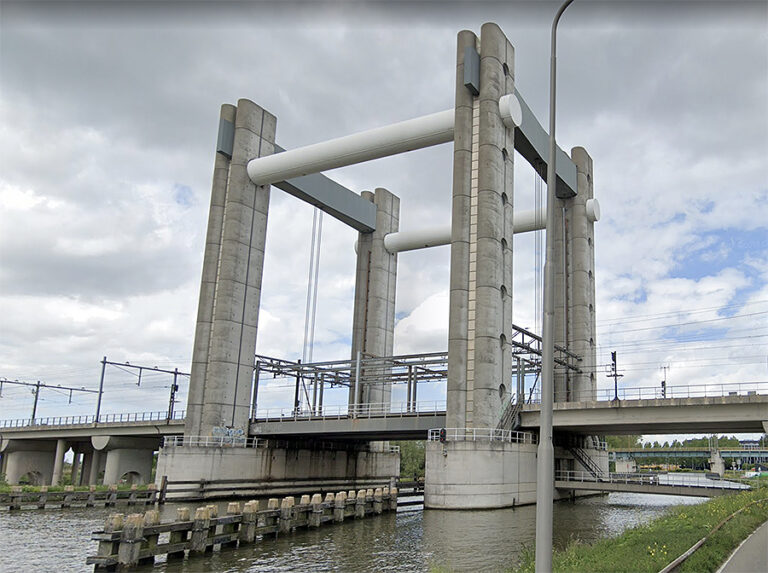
344,411
656,393
692,480
481,435
115,418
213,442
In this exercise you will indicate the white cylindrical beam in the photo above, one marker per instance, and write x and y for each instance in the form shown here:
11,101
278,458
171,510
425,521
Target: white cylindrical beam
419,239
392,139
417,133
524,222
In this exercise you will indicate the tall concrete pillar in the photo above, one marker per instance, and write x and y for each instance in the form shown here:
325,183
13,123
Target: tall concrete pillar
227,385
575,285
373,318
94,468
58,461
208,280
76,458
480,362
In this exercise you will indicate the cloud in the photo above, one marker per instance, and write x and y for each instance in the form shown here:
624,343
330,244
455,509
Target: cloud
108,118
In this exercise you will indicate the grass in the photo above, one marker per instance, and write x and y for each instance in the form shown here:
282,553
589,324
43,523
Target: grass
4,488
650,547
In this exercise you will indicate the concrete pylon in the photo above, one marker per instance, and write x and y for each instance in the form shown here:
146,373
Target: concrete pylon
373,318
575,285
480,362
58,461
208,281
224,400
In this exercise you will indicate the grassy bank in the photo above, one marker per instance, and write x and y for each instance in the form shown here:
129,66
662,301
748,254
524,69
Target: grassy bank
650,547
5,488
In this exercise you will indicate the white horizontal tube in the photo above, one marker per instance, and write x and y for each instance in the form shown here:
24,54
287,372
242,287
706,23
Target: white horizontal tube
523,221
407,135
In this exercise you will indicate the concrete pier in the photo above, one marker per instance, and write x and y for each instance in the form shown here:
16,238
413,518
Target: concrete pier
575,284
30,459
126,458
231,470
373,322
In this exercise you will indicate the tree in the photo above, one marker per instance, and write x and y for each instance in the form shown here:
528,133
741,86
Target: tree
412,459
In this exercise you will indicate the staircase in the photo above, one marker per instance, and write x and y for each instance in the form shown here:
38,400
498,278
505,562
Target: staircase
510,418
584,459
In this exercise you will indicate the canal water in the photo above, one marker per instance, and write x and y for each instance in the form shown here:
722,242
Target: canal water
58,540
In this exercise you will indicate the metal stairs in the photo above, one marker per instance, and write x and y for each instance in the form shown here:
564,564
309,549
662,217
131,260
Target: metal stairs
510,418
583,458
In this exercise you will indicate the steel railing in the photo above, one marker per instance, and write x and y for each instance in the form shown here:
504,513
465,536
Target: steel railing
240,441
481,435
90,419
344,411
686,479
656,393
213,442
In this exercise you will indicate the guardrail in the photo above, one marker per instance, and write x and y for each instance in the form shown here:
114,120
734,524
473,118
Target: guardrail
344,411
244,442
90,419
481,435
686,479
656,393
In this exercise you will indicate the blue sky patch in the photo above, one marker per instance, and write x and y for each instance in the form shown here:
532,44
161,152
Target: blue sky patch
725,248
183,195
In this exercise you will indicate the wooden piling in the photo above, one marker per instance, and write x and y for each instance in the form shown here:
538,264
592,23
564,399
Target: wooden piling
317,511
200,527
339,505
285,522
135,540
247,531
179,537
131,540
151,518
233,509
360,504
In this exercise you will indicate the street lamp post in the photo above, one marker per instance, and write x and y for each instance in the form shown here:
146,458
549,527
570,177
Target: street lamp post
545,466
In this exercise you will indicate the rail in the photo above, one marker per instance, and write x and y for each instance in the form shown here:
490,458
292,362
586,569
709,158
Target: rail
117,418
243,442
686,480
656,393
344,411
481,435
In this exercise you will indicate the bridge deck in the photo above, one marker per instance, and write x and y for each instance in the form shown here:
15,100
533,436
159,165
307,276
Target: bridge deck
743,413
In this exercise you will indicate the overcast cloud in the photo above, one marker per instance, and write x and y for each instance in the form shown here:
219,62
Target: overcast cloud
108,120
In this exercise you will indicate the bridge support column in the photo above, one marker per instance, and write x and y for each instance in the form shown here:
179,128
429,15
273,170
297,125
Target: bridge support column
575,284
225,337
373,319
716,463
276,470
32,459
480,361
58,462
94,467
126,457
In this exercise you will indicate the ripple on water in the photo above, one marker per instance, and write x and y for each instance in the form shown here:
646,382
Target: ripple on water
59,540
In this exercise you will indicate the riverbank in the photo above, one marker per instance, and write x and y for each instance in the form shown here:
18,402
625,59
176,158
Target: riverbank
650,547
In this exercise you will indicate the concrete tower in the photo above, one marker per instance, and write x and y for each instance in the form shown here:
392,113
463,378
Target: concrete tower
480,364
225,336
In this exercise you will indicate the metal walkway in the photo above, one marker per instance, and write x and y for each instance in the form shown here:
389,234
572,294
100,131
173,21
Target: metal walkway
661,484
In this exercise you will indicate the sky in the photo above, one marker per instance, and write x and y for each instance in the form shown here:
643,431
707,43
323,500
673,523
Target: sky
108,122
